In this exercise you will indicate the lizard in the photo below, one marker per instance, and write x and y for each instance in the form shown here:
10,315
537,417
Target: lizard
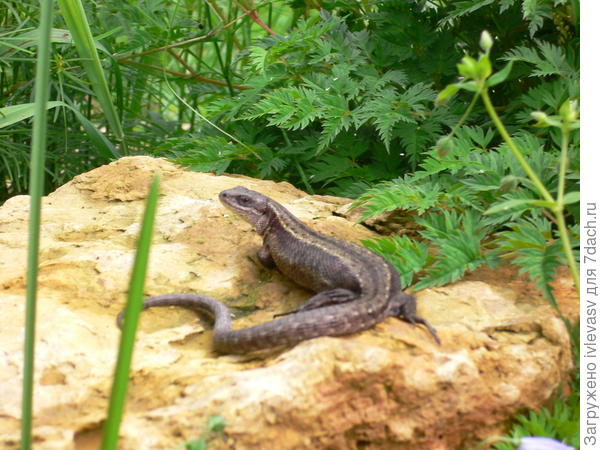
355,287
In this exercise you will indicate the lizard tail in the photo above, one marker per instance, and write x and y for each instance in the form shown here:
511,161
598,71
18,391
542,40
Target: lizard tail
206,305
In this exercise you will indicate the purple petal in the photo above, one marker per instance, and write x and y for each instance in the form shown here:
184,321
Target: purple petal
542,443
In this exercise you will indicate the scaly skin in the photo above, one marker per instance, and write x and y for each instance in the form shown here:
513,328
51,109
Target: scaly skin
355,287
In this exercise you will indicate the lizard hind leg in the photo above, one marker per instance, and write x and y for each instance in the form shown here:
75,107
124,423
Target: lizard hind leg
325,298
403,305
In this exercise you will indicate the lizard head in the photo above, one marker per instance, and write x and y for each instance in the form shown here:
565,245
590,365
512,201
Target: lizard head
251,205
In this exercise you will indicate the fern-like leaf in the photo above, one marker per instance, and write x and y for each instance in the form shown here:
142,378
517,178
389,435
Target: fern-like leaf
535,12
464,8
399,194
535,251
548,60
458,241
336,118
207,154
406,255
290,108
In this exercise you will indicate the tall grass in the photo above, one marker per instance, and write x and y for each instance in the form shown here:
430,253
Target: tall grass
109,65
132,311
36,188
74,15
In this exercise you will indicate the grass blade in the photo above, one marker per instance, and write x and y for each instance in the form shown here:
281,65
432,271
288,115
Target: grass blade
16,113
132,311
36,190
74,15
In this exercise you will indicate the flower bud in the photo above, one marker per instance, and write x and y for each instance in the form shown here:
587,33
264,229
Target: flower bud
541,118
508,183
569,111
444,146
486,41
468,68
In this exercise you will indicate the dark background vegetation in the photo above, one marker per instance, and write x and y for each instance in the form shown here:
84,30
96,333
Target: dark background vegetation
333,96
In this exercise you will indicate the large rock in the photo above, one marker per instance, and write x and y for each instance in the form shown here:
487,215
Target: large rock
504,349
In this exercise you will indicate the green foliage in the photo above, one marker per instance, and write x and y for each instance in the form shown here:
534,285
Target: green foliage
335,99
562,421
338,111
140,47
505,192
452,192
536,13
460,245
547,60
407,256
214,428
204,154
534,249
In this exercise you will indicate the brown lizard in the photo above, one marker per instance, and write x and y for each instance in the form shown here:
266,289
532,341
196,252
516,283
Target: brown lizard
356,288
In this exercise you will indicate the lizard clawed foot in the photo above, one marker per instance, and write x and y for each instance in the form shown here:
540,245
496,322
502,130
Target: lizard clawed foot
323,299
287,313
301,308
416,319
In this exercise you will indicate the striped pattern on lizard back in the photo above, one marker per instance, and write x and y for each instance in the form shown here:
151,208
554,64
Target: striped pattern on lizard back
355,288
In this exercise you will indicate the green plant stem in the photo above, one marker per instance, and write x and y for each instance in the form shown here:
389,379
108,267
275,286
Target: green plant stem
307,185
212,124
558,204
564,162
513,148
560,218
36,190
465,115
252,14
566,243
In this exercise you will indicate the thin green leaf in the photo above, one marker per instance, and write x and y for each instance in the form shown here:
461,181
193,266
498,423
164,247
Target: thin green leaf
36,190
16,113
133,308
458,239
534,251
500,76
406,255
103,145
509,204
571,197
74,15
468,86
57,36
447,93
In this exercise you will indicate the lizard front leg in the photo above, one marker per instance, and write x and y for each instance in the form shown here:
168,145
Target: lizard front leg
265,258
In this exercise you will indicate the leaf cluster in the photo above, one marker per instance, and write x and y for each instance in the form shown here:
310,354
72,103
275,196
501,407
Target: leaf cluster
142,48
474,176
345,98
474,205
336,98
327,109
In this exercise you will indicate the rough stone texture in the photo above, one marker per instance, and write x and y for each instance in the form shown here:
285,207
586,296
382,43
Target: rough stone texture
390,387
